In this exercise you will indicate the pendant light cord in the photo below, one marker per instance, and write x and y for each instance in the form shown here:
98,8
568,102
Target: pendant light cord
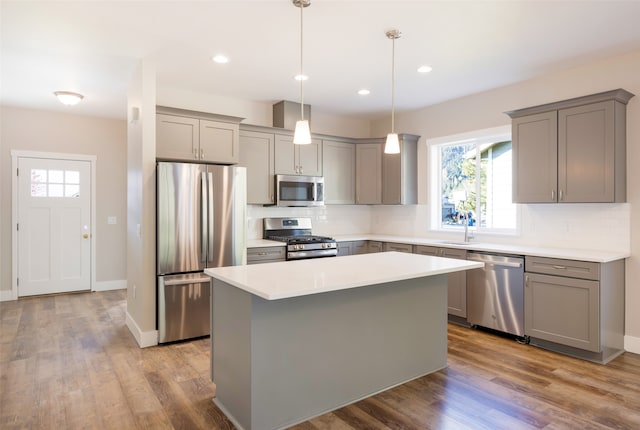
393,83
301,62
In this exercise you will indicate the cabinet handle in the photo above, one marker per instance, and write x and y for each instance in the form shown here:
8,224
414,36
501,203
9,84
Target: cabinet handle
526,281
301,170
561,196
553,195
560,267
201,153
195,153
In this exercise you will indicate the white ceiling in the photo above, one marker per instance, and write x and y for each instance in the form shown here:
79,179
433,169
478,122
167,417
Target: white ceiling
92,47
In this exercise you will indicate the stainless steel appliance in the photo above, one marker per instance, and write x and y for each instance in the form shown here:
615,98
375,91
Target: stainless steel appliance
495,293
294,190
201,222
301,244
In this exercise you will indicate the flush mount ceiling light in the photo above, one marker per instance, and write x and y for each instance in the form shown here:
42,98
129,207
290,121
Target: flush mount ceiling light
424,69
302,134
220,59
300,77
392,146
364,92
68,98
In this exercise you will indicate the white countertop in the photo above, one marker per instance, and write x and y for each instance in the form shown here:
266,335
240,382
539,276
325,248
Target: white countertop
592,255
281,280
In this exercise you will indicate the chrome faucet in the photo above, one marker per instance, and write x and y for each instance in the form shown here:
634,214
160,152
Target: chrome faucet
467,235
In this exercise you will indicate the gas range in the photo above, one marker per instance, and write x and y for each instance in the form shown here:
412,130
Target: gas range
296,233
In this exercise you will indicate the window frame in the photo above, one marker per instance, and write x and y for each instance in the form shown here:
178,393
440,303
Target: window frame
479,137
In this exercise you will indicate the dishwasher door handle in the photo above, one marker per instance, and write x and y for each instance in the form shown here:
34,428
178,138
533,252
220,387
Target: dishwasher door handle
489,262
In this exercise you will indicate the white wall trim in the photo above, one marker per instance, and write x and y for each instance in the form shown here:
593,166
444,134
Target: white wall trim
118,284
144,339
632,344
8,295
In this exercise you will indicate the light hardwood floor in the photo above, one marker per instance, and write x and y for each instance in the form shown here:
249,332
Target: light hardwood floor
69,362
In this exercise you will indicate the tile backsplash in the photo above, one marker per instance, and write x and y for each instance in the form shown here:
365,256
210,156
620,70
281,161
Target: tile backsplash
605,227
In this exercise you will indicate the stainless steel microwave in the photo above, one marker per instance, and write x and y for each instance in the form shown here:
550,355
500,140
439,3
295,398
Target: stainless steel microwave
294,190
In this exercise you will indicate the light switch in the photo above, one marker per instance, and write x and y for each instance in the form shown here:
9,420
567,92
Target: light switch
112,220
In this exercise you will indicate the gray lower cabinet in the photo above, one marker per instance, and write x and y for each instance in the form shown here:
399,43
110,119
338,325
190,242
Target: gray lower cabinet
575,307
257,155
267,254
399,247
571,151
353,248
457,283
375,246
339,166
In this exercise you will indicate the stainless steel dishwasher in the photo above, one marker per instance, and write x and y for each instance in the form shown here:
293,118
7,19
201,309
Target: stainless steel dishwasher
495,293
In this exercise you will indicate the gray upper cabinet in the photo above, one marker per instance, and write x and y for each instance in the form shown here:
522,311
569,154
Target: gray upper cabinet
572,151
187,136
400,173
339,165
257,155
291,159
368,173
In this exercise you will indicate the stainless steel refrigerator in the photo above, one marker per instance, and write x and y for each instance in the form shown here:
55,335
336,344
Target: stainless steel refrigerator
200,222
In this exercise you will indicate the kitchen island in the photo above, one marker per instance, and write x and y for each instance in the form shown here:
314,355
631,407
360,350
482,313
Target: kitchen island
296,339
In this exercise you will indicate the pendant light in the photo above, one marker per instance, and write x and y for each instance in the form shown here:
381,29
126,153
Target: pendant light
302,134
392,146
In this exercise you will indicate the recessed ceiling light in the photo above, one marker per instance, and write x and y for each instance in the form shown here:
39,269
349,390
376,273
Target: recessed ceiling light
300,77
364,92
424,69
220,59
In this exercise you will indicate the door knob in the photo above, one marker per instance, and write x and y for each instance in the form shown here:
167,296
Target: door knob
86,235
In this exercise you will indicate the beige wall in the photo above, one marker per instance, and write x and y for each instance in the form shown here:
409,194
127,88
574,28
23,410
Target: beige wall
486,109
35,130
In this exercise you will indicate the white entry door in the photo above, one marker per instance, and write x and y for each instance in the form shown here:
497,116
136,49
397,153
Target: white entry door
54,231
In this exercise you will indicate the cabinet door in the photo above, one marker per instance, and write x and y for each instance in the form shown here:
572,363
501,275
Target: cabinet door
291,159
359,247
562,310
535,158
375,246
368,173
456,282
339,165
286,162
344,248
310,158
219,142
256,154
177,137
398,247
586,153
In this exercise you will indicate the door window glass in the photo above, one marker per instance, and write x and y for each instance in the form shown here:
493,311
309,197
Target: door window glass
55,183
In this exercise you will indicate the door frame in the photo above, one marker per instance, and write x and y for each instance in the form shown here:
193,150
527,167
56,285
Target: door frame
15,155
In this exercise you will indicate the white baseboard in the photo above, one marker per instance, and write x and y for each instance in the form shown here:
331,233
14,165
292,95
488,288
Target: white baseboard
7,295
144,339
120,284
632,344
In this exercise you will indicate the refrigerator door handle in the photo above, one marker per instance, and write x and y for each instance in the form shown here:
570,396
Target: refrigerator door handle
210,219
203,217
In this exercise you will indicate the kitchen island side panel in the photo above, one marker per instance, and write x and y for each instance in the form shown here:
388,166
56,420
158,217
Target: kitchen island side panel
231,350
315,353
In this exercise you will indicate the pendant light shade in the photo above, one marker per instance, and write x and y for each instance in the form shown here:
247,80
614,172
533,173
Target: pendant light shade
392,146
302,134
